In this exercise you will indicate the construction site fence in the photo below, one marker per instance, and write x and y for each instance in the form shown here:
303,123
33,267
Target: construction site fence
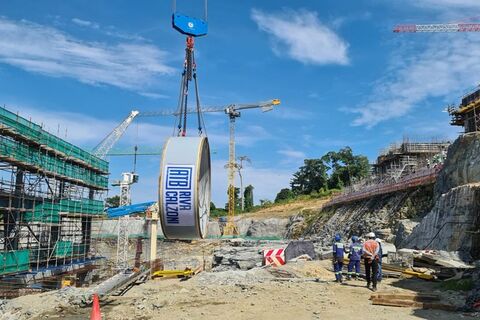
423,176
32,131
31,156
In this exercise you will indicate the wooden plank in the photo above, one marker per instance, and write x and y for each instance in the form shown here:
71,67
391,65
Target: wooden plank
413,304
396,303
406,296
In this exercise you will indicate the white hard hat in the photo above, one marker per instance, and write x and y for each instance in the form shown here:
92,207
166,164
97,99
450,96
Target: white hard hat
378,240
371,235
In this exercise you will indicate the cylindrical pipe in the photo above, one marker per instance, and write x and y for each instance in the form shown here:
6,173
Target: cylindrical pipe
184,188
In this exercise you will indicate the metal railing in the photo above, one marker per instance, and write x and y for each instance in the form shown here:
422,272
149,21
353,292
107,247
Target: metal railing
422,176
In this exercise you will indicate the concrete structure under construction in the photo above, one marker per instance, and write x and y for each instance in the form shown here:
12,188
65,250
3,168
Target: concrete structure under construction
403,159
467,114
50,191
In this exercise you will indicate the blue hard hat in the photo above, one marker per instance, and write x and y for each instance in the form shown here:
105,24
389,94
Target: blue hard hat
338,237
354,238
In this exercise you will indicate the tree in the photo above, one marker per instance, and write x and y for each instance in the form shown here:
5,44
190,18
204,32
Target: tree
312,176
284,194
212,206
265,202
248,196
344,167
112,202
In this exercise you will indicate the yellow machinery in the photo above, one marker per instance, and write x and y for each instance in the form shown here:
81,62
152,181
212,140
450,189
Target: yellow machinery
187,273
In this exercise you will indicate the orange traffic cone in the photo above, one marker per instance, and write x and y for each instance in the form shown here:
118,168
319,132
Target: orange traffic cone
95,315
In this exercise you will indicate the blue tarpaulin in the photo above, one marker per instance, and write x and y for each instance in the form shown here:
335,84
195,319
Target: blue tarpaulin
128,210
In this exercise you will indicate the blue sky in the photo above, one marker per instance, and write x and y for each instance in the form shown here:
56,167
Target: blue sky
344,78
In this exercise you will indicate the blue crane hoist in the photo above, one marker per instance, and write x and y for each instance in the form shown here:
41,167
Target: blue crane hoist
192,28
187,25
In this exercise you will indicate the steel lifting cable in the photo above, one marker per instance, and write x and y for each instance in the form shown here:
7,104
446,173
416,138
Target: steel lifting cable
189,73
199,111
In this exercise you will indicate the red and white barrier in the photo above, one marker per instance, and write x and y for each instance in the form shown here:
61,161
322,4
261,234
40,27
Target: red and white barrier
274,257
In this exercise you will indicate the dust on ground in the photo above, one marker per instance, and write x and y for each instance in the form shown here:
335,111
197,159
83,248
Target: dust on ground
257,294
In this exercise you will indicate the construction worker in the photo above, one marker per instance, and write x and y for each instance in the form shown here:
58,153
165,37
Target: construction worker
370,255
355,256
338,256
380,255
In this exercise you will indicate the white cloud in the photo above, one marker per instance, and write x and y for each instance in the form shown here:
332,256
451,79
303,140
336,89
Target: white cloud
292,154
108,30
85,23
48,51
301,36
445,68
153,95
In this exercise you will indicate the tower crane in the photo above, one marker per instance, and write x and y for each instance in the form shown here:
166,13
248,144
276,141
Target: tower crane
128,178
233,112
438,27
445,27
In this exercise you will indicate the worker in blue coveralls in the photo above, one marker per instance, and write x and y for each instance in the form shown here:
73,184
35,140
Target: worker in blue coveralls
380,254
355,257
338,256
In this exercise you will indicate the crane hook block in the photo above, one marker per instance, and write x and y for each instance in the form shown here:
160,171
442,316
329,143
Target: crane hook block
190,26
184,188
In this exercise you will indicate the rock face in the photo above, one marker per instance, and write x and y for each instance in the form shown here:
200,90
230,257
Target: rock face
442,217
404,230
454,222
262,228
213,229
378,214
462,165
268,228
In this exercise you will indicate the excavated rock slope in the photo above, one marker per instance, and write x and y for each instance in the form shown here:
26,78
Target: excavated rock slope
381,214
444,217
454,222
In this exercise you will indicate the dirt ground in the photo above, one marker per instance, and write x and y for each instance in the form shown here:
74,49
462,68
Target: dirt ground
288,209
206,298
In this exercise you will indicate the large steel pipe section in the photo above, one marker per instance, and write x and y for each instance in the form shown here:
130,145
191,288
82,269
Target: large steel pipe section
184,188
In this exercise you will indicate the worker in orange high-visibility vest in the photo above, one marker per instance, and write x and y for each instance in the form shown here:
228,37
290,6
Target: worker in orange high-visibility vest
370,251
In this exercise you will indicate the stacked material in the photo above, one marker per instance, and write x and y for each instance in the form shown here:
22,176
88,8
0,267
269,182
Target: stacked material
427,264
415,300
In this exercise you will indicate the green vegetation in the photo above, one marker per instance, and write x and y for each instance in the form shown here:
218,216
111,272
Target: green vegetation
112,202
458,285
284,195
332,171
248,197
217,212
316,179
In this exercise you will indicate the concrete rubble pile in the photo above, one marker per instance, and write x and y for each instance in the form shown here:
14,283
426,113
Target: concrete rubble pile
239,254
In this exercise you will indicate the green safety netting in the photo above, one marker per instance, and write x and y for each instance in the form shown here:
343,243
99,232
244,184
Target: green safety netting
49,212
14,261
33,156
35,132
63,249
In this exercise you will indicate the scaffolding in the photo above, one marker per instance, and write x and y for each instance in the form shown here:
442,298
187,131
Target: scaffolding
400,167
50,191
467,114
403,159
